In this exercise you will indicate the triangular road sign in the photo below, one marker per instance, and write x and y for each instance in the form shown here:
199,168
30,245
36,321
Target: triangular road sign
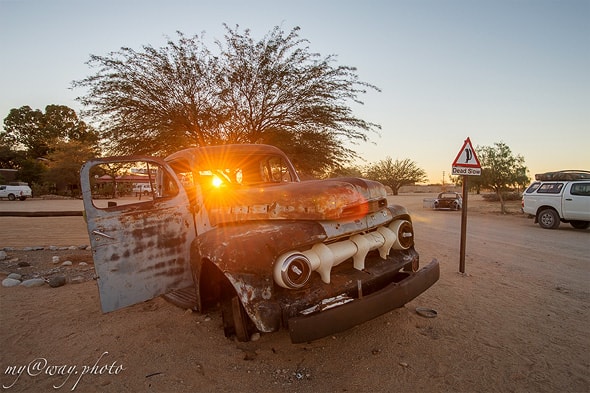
467,157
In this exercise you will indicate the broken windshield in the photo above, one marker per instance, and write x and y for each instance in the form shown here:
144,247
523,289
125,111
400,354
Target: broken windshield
244,170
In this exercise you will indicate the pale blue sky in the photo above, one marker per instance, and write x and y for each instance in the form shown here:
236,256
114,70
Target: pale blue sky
496,70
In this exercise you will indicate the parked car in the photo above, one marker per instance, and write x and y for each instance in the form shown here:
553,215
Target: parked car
234,226
448,200
142,188
555,197
21,192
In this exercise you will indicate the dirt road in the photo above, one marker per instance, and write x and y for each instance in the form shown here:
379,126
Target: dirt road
517,321
39,231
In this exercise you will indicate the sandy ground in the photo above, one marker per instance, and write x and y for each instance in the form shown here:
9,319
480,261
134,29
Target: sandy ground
517,321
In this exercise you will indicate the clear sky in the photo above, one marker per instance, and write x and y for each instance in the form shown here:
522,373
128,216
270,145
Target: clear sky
516,71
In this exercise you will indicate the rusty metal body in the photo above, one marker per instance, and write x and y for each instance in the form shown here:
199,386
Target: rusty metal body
301,255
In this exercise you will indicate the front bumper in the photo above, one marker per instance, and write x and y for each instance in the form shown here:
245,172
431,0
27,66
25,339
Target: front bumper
314,326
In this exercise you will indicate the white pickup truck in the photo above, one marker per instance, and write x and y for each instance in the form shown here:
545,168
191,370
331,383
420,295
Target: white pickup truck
15,192
556,197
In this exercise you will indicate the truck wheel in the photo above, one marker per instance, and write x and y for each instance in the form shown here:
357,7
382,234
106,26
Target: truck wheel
23,198
241,320
548,219
580,224
235,319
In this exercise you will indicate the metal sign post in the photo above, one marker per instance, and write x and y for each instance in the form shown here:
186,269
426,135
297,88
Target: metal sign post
467,164
463,225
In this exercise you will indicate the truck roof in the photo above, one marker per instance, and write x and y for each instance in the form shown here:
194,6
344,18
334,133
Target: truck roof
565,175
221,150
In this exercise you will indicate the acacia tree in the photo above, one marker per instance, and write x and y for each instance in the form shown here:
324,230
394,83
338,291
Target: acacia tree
396,174
501,170
310,151
158,100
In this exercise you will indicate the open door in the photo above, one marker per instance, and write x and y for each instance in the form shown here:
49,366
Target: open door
140,241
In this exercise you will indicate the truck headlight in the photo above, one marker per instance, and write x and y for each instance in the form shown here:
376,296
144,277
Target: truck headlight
293,271
405,234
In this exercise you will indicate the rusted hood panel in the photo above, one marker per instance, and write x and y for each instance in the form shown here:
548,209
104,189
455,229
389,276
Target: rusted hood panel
330,199
252,248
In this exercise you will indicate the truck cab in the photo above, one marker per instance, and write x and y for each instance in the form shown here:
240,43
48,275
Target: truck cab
233,227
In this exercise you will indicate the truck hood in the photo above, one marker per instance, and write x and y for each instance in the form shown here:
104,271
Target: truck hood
332,199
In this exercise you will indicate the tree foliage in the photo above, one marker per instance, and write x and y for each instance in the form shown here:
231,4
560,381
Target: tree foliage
501,170
35,132
346,171
64,164
310,151
23,130
33,140
10,159
31,171
159,100
396,174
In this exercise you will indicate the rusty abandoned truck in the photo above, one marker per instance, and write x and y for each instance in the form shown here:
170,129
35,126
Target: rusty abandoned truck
233,228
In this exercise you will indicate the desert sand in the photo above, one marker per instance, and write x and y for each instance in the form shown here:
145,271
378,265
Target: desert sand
517,320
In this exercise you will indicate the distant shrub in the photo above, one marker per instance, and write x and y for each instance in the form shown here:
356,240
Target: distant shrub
508,196
42,189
